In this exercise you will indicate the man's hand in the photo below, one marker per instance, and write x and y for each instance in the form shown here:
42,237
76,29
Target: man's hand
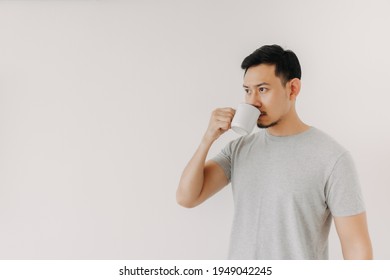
220,122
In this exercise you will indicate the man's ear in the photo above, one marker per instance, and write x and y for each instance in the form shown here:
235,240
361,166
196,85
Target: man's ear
294,87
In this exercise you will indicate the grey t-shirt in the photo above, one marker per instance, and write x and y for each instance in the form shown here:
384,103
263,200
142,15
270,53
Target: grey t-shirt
285,191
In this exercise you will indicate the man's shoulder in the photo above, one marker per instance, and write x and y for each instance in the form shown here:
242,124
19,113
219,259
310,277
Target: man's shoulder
325,143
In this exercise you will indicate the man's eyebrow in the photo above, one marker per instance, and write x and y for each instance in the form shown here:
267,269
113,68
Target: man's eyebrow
261,84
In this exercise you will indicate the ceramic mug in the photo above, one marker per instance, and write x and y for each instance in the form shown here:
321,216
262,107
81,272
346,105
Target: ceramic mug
245,118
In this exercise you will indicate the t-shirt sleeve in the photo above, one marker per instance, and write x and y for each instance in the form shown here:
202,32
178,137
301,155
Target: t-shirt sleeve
224,159
343,192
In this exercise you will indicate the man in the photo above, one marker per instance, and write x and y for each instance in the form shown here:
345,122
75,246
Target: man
288,180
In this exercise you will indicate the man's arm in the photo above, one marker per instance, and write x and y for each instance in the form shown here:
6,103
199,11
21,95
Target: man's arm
201,180
354,237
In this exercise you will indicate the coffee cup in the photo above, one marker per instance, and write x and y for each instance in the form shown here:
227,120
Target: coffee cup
245,118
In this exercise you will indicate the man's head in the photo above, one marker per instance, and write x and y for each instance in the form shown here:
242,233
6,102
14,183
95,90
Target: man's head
286,63
272,82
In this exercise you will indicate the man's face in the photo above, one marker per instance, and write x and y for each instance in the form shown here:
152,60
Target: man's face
266,92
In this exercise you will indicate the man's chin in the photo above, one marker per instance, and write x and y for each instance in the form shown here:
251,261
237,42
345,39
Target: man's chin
262,125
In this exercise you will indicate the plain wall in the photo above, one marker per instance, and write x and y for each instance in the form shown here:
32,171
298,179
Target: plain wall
102,104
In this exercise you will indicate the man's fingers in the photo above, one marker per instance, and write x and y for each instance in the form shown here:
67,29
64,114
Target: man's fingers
224,118
223,125
224,114
220,122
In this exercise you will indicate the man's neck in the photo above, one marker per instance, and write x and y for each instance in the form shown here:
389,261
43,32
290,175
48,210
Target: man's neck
288,127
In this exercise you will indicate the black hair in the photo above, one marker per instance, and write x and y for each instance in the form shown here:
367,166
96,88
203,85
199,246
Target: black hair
286,63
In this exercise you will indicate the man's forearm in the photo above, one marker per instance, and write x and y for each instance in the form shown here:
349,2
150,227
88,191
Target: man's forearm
191,181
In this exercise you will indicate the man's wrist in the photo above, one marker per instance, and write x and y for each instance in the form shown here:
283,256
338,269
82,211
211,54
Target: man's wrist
207,142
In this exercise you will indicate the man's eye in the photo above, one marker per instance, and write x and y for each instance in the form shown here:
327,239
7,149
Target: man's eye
263,89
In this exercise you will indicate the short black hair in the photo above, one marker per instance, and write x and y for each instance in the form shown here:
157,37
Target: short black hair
286,63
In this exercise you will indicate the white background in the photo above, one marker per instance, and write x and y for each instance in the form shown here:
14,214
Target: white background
102,103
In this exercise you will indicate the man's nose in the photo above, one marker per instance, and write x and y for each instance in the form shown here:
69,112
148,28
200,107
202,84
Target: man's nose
254,99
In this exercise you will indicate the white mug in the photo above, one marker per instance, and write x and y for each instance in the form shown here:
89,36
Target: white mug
245,118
